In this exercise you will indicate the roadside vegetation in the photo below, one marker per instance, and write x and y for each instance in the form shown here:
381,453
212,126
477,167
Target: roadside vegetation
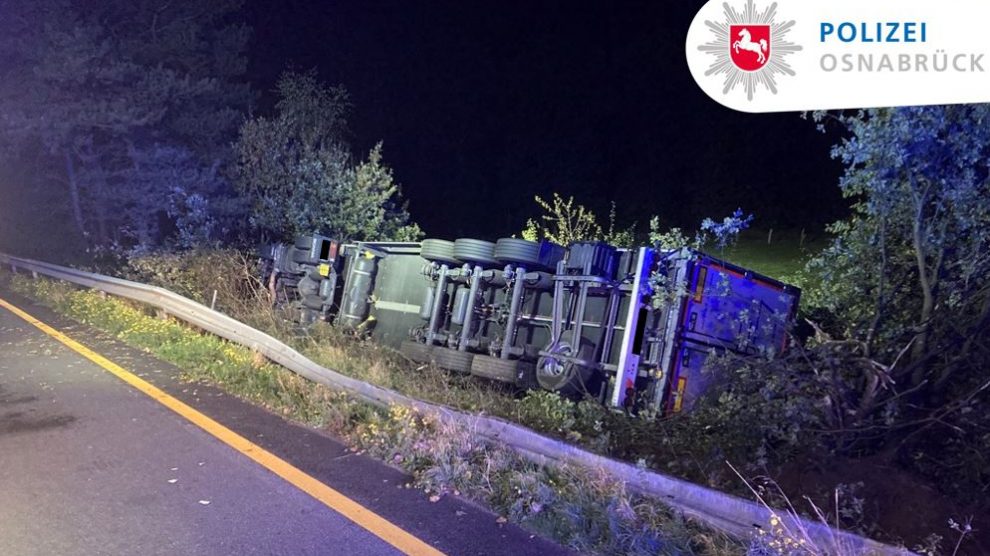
582,509
888,368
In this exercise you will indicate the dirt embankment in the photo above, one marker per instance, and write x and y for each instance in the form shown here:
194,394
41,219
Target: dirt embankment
894,504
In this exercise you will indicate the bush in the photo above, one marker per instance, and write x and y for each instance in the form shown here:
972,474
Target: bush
233,275
563,222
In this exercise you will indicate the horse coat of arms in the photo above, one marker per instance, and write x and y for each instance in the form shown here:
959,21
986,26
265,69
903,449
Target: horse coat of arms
750,48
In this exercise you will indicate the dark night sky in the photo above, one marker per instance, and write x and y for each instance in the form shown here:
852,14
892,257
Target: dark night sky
481,105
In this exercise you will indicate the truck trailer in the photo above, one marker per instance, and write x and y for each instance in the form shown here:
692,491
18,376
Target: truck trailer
632,328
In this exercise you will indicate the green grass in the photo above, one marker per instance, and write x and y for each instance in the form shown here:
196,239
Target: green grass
782,257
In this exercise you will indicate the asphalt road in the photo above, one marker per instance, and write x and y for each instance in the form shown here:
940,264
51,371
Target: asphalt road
90,465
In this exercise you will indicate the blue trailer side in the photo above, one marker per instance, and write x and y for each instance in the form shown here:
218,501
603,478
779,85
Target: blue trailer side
724,308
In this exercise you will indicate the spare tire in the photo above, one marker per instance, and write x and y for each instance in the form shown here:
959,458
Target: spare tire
438,251
512,250
475,251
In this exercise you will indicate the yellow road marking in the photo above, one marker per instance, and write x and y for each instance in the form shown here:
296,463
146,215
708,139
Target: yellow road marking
333,499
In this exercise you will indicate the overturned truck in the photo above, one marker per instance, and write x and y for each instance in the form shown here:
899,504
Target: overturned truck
630,327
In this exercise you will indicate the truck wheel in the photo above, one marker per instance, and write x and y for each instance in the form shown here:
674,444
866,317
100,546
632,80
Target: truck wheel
438,251
526,377
415,351
475,251
502,370
453,360
510,250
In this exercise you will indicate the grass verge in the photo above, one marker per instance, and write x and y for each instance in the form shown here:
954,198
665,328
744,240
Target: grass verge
780,254
582,509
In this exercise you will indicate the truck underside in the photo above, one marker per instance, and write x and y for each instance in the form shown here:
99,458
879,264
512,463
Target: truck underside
630,327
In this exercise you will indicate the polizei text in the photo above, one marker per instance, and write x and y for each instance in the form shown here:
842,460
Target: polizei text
880,31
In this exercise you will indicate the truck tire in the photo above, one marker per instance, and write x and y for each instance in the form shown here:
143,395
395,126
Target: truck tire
475,251
452,360
510,250
438,251
502,370
415,351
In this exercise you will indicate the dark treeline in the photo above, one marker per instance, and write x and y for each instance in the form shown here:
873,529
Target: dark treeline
118,120
120,117
129,127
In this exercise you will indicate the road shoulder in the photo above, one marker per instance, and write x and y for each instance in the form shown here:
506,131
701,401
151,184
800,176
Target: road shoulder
452,525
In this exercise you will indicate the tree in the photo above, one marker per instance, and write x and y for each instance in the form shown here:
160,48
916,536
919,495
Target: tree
95,87
379,198
171,194
907,279
912,264
297,171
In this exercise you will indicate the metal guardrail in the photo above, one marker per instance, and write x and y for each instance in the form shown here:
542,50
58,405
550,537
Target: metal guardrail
733,515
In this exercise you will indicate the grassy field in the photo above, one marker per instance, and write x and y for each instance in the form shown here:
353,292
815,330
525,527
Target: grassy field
780,258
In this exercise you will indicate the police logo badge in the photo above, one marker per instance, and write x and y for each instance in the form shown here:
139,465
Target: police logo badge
750,49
